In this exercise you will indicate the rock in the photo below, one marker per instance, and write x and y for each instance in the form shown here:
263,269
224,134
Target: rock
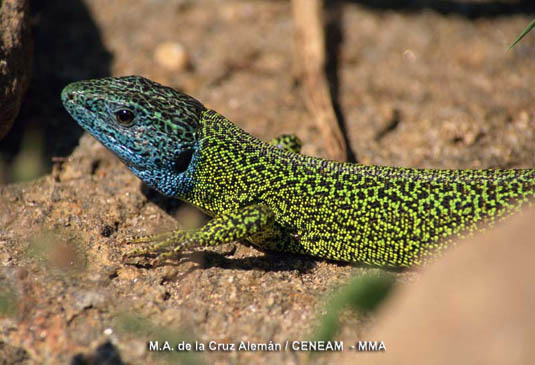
172,55
15,59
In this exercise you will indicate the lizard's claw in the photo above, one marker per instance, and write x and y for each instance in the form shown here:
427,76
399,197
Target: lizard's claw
150,238
161,245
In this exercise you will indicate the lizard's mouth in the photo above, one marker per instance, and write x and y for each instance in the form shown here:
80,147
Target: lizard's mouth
129,163
121,151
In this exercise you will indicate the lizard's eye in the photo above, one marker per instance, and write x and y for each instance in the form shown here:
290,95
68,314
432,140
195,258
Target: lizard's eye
124,117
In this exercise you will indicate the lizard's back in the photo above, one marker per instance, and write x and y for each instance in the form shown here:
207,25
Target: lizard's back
351,212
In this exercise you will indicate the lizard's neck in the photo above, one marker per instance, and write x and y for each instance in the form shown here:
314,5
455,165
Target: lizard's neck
220,180
214,178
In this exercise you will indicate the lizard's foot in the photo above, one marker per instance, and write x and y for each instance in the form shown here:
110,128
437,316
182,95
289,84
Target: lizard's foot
162,245
250,220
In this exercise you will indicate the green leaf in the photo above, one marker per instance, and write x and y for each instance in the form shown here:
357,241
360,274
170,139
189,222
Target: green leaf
526,31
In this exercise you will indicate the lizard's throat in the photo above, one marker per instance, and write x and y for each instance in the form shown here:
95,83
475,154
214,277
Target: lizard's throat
168,180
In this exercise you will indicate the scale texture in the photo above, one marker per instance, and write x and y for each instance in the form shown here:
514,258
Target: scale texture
278,199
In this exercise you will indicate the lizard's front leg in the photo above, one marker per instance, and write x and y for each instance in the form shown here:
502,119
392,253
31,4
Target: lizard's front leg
251,221
287,142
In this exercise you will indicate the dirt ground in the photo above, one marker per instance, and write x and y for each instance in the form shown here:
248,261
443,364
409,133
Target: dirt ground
419,83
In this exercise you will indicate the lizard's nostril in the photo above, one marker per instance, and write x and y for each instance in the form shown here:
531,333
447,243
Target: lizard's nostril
68,94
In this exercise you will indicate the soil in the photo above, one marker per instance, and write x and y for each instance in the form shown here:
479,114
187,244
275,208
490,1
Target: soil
419,84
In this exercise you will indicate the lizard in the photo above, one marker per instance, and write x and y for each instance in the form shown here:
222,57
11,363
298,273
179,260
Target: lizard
278,199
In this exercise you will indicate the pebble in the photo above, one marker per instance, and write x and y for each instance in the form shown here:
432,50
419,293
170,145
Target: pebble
172,55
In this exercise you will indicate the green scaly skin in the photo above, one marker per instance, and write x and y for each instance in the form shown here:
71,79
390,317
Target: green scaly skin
278,199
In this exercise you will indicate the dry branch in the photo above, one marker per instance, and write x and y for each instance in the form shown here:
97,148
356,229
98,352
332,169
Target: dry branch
311,58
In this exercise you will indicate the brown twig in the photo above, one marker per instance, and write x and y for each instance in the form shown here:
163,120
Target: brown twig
310,44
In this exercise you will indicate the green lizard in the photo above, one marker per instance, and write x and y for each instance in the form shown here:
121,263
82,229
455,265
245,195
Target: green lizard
278,199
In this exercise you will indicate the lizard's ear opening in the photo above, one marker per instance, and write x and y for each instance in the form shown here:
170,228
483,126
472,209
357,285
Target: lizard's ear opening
183,160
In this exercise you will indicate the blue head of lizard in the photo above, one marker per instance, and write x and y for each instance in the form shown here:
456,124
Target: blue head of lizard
150,127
